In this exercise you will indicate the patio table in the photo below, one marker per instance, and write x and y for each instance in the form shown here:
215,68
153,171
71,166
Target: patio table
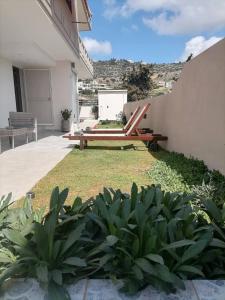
11,133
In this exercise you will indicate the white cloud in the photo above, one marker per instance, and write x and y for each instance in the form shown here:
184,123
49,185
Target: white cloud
173,16
97,47
111,9
197,45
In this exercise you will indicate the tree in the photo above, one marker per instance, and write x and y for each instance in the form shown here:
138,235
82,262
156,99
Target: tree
138,82
189,57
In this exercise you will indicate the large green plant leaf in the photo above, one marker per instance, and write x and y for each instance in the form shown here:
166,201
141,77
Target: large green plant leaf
164,273
111,240
42,273
194,250
15,237
42,242
146,266
155,258
213,210
73,237
134,196
179,244
56,292
190,269
75,261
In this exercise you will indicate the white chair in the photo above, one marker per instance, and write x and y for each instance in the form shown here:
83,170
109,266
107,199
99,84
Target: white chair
23,120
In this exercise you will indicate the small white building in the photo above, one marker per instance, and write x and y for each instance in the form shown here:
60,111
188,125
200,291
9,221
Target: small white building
110,103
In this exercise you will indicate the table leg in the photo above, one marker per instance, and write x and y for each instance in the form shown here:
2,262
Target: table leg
0,145
13,143
81,145
27,139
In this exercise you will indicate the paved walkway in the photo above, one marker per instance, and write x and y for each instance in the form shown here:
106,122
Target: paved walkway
104,290
21,168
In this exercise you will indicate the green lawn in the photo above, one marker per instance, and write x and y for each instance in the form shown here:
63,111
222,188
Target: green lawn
111,124
102,164
118,164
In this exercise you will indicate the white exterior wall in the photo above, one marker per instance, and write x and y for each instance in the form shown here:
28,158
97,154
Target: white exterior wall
63,87
7,93
111,103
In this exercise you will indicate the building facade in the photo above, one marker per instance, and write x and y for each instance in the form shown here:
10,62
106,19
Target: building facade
41,58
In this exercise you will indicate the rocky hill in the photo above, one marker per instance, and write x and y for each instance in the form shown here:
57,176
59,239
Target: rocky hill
108,74
113,70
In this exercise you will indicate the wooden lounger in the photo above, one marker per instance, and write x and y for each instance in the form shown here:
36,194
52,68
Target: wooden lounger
133,134
116,130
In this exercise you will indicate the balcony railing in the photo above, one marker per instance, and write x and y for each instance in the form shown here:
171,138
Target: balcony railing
85,57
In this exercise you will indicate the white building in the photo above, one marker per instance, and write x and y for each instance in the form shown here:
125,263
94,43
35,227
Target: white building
110,103
42,57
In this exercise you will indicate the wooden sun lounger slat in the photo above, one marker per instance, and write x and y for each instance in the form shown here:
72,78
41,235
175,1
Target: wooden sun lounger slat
106,131
112,130
133,134
116,137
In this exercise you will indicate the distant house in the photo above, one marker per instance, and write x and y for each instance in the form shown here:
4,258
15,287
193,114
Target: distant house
42,57
110,103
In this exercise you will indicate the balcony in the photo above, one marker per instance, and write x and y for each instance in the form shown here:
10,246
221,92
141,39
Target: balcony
85,58
63,18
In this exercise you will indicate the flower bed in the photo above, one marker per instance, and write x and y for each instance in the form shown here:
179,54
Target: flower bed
147,237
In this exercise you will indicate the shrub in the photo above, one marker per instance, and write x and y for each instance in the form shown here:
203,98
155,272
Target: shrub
147,237
94,111
122,118
66,114
176,173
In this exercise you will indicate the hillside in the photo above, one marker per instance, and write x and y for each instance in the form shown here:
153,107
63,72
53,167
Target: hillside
116,68
112,71
109,74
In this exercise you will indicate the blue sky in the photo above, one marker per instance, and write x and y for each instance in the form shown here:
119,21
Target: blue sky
154,31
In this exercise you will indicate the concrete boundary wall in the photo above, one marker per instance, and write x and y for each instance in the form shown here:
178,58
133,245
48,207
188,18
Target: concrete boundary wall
193,115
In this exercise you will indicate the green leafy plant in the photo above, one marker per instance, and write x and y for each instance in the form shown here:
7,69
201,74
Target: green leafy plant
66,114
49,250
122,118
150,237
145,237
94,111
176,173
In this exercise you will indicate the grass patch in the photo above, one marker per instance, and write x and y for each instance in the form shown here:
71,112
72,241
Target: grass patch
119,164
109,124
103,164
176,173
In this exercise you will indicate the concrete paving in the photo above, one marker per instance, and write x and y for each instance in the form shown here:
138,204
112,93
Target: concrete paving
21,168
